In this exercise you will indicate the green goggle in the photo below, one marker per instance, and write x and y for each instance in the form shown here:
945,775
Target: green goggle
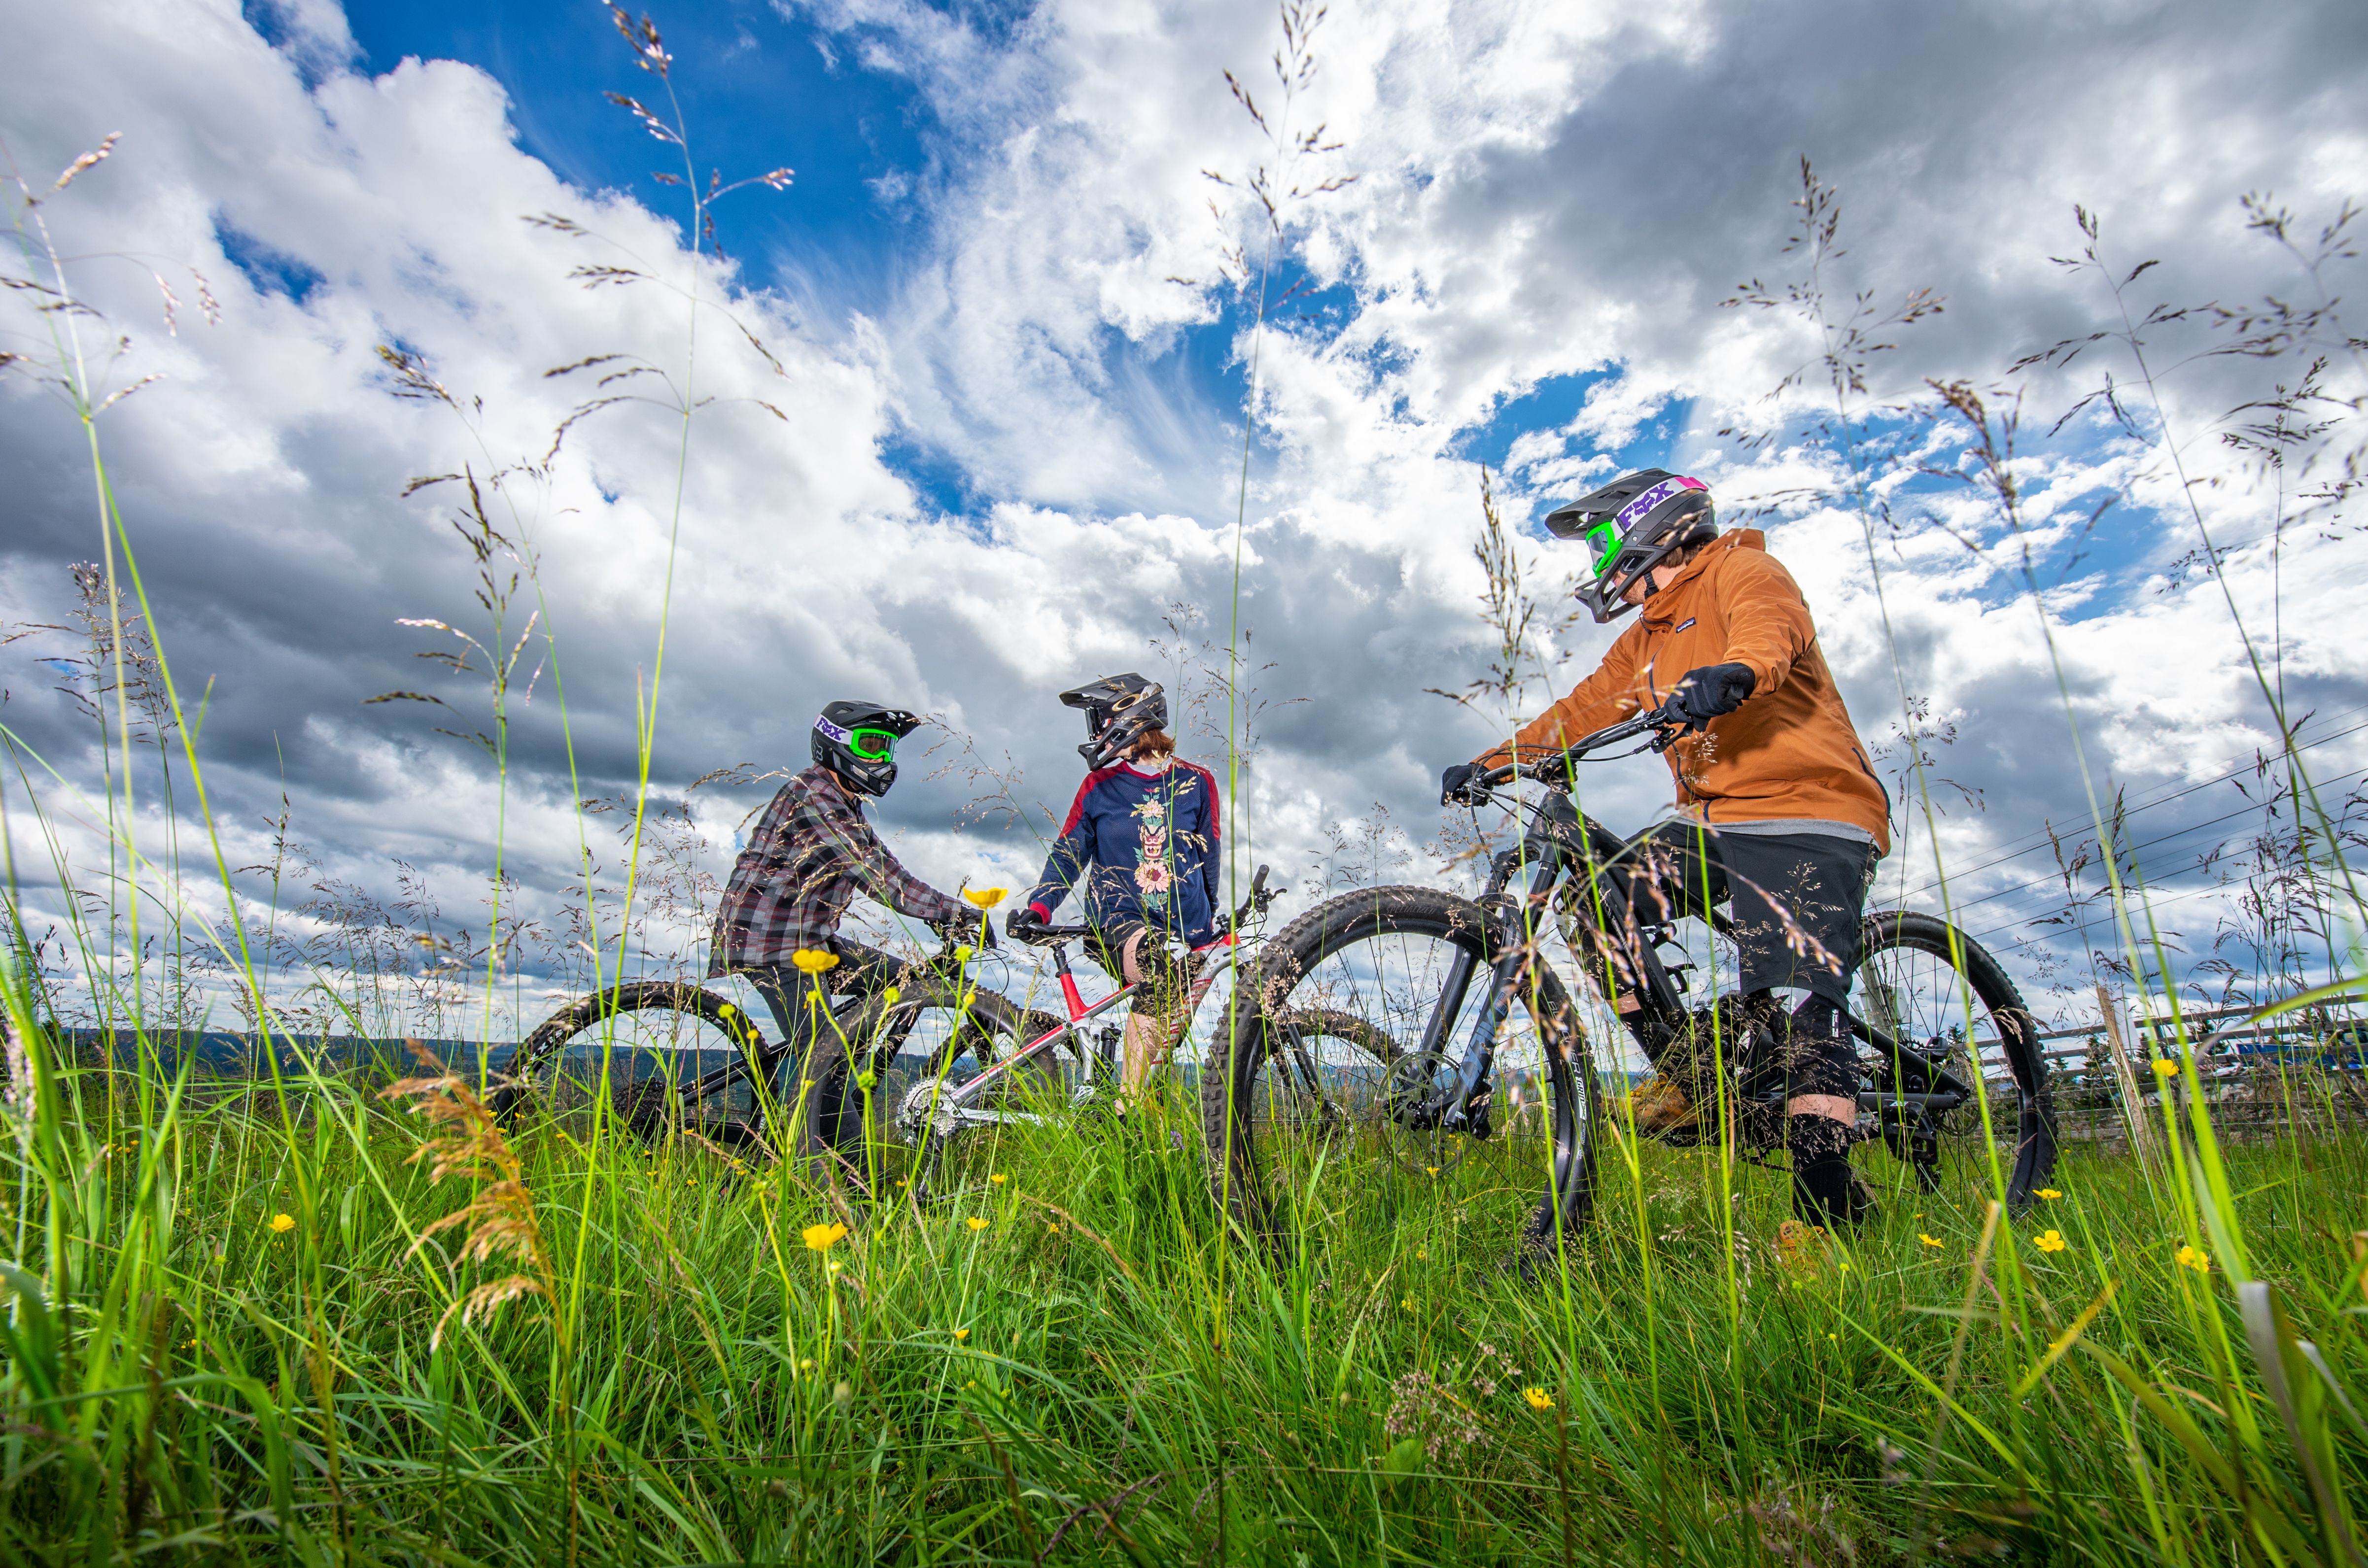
1603,542
871,746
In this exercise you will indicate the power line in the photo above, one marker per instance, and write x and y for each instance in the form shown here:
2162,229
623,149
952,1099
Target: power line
2034,842
2149,844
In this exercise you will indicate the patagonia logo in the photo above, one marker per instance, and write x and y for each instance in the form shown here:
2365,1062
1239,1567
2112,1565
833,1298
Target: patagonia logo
1682,625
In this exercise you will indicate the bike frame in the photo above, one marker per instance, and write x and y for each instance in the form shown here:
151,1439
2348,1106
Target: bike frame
960,1097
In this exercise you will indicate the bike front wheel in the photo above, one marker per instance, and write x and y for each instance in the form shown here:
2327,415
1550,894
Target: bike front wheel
884,1075
1311,1098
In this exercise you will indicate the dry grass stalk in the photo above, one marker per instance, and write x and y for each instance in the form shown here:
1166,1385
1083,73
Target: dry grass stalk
501,1217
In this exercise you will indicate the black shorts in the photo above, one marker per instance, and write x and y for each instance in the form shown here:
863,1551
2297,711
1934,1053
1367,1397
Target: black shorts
1797,898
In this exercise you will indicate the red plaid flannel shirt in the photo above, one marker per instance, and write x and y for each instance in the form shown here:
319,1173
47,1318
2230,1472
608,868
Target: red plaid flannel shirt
811,852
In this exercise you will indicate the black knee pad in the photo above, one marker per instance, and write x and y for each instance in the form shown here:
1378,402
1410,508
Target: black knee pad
1818,1058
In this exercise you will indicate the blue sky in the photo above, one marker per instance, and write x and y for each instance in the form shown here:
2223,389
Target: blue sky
1012,440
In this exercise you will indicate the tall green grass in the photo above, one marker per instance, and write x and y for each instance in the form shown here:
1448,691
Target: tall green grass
182,1373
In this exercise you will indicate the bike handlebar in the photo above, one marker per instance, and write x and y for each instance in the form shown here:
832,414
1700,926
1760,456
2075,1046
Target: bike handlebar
1546,768
1045,935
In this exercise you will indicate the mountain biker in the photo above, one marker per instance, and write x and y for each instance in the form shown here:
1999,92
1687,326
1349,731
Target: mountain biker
1142,836
810,854
1777,805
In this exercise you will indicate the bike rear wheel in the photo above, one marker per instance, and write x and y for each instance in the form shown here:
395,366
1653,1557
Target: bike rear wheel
1311,1075
667,1057
1930,1001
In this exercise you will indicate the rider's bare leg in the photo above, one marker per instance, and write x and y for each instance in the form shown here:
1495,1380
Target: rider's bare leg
1143,1032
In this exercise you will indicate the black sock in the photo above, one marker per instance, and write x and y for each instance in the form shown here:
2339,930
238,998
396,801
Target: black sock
1822,1190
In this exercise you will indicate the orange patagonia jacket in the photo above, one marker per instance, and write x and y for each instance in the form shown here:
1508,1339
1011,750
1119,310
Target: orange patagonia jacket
1789,751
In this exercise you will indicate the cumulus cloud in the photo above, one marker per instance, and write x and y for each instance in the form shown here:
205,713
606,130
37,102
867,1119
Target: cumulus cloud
1545,196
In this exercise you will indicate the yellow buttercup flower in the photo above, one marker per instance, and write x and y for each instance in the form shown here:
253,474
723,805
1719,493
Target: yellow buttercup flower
2166,1067
2195,1258
999,1178
1430,1170
888,998
2050,1194
1420,1253
1928,1241
1538,1399
985,898
814,961
975,1223
820,1238
961,1335
283,1223
2051,1241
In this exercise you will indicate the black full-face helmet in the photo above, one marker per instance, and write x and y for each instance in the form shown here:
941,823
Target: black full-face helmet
858,742
1631,525
1119,710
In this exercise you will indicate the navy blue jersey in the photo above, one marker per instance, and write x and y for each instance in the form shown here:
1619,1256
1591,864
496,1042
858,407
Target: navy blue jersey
1144,846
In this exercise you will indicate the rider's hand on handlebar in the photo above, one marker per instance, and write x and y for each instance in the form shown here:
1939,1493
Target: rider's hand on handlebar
1024,923
1710,692
1456,786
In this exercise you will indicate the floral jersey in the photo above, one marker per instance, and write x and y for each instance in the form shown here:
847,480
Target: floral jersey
1145,846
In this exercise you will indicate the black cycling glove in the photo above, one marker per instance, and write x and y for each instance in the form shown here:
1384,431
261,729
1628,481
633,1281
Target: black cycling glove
1707,693
1024,923
1455,785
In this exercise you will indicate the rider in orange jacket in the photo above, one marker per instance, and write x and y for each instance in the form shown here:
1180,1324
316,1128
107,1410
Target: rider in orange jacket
1778,807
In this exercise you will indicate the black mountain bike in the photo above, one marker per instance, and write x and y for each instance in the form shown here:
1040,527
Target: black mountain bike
672,1057
1448,1047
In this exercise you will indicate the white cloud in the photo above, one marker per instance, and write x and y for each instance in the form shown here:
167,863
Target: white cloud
1543,191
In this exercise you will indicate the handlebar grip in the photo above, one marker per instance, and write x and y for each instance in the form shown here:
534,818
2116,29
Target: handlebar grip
1258,880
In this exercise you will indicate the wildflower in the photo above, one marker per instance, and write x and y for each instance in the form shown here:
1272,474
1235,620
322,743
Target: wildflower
1052,1229
1430,1170
833,1267
888,997
2164,1066
999,1178
2051,1241
2195,1258
1408,1304
975,1223
1420,1253
1539,1399
807,1365
814,961
985,898
1928,1241
283,1223
1835,1337
2050,1194
821,1238
961,1335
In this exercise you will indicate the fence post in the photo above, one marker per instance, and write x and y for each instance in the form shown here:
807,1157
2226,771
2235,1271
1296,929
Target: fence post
2134,1113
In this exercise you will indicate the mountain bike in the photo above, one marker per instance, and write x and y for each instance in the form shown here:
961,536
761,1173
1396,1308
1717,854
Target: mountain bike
1014,1047
673,1058
1502,1131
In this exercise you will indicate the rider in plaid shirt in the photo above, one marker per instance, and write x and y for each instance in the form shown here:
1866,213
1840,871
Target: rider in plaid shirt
811,853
